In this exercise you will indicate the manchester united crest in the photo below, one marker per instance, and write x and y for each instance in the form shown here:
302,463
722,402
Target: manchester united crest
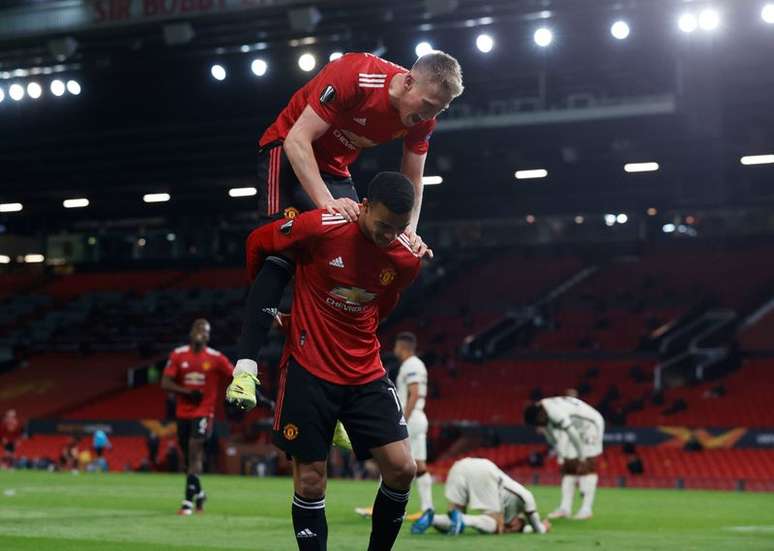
290,213
387,276
206,366
290,432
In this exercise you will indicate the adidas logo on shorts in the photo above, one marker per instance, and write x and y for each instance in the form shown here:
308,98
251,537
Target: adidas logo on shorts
306,533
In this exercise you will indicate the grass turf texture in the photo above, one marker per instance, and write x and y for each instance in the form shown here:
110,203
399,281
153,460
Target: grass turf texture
64,512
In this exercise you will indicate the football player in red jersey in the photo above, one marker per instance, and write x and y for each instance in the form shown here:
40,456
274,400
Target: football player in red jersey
195,373
10,432
349,276
357,101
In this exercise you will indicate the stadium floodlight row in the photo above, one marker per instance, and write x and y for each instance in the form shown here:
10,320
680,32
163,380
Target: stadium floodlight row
707,19
33,90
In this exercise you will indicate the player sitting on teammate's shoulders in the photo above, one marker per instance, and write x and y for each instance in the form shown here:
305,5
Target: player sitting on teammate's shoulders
506,506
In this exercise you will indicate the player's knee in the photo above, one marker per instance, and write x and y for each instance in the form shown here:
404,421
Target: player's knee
311,484
284,263
403,473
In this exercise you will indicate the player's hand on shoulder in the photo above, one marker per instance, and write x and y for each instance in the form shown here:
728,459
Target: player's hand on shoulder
344,206
418,246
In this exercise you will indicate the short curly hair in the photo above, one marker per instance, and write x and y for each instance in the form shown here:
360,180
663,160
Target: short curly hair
393,190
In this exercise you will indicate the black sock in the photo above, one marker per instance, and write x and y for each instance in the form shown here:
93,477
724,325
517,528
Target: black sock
387,518
263,299
192,487
310,524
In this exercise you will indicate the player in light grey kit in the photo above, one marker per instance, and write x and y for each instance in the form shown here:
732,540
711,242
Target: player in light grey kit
412,391
576,430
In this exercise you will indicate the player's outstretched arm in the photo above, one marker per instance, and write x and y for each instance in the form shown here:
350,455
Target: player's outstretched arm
413,167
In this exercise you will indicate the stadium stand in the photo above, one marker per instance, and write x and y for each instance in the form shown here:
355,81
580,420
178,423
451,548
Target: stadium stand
51,382
95,326
663,466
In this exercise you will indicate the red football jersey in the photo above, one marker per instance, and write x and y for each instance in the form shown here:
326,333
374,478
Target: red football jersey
344,285
352,95
10,430
207,371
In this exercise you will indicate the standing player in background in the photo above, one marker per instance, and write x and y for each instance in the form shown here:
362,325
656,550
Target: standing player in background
10,433
412,391
411,383
355,102
479,484
195,373
577,432
349,276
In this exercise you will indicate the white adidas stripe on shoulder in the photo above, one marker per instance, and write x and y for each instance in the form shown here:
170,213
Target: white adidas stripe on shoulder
183,348
213,351
369,80
333,218
333,222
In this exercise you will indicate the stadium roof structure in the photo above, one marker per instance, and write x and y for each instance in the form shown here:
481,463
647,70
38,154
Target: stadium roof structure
150,118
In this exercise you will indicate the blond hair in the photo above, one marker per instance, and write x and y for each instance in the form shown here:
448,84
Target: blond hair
441,68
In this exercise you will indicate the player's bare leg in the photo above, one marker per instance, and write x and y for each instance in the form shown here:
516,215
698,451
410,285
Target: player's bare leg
194,495
308,509
424,483
569,482
587,482
398,470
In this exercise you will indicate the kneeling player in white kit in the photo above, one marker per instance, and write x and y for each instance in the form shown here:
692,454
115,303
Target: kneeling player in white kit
506,505
576,431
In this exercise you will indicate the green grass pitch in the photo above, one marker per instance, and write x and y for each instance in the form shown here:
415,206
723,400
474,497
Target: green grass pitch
65,512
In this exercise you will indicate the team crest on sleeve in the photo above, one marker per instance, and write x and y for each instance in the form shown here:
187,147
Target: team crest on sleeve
328,95
290,213
290,432
387,276
286,227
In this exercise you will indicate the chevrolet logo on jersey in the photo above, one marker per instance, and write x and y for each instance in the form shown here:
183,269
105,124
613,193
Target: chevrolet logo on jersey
357,140
349,299
194,378
353,295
